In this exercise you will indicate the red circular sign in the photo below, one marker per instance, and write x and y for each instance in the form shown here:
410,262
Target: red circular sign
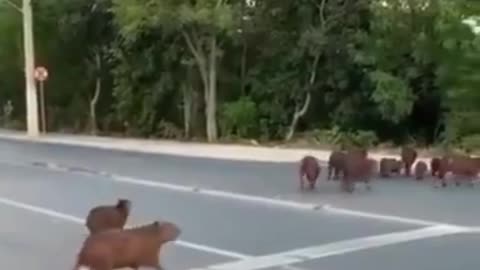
41,73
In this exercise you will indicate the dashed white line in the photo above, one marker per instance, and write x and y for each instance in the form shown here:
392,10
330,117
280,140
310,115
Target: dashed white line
244,197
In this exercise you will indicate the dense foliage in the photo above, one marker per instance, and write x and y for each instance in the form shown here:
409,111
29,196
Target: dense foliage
361,71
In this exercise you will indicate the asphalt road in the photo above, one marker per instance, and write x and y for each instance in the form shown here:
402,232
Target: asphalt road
42,210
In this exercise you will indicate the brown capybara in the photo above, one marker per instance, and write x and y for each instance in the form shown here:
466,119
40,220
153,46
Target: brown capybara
389,166
358,168
409,155
434,165
463,167
335,163
134,247
309,169
420,170
105,217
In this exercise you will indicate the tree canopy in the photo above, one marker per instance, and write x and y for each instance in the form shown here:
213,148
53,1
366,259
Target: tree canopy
366,71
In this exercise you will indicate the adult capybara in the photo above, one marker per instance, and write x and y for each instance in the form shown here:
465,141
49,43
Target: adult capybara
389,166
434,165
105,217
420,170
463,167
336,163
358,168
309,169
409,155
134,247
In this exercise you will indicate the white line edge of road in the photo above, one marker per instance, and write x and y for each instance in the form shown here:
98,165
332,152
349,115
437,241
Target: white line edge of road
244,197
77,220
336,248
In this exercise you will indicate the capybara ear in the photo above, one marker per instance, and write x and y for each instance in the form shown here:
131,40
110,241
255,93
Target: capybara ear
168,231
124,203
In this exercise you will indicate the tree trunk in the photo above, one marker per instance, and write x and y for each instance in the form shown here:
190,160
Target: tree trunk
187,109
96,95
299,113
208,73
211,93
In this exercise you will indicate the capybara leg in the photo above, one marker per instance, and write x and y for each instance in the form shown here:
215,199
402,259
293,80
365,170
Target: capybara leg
301,181
407,169
329,175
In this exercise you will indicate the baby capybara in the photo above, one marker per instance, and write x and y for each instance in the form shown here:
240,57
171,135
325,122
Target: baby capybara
134,247
420,170
105,217
389,166
336,163
434,165
409,155
309,169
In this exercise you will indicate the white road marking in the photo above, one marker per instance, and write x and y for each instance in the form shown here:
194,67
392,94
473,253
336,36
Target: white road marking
336,248
77,220
247,198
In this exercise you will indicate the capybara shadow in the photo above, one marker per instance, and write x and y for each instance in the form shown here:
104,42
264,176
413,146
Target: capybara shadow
310,170
133,247
105,217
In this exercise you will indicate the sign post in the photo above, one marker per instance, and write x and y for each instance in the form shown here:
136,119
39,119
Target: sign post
41,75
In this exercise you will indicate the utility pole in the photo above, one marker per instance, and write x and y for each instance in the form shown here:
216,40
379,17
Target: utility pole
31,89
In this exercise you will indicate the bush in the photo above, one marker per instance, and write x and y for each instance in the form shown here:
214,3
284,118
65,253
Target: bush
335,136
470,142
239,118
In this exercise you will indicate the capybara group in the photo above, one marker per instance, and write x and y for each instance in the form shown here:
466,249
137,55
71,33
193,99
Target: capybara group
105,217
133,248
309,169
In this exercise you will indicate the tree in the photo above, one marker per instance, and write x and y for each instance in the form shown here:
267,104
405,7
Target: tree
201,23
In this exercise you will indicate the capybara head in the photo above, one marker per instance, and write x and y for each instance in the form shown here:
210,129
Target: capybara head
167,231
124,204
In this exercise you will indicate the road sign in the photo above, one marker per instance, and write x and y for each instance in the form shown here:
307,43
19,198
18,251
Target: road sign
41,74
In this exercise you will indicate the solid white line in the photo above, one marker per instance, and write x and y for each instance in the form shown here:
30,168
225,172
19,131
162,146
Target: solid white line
77,220
336,248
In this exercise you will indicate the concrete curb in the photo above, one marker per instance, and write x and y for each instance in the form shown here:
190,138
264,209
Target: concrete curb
187,149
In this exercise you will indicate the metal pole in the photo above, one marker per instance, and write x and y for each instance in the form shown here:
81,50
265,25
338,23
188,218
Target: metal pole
42,108
31,90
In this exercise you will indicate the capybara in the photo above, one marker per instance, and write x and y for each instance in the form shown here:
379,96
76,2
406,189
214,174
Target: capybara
409,155
105,217
358,168
134,247
389,166
434,165
336,163
420,170
309,169
463,167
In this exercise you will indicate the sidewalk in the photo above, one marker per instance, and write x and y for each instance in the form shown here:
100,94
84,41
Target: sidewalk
203,150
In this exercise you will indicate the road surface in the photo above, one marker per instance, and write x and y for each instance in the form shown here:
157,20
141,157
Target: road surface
46,191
